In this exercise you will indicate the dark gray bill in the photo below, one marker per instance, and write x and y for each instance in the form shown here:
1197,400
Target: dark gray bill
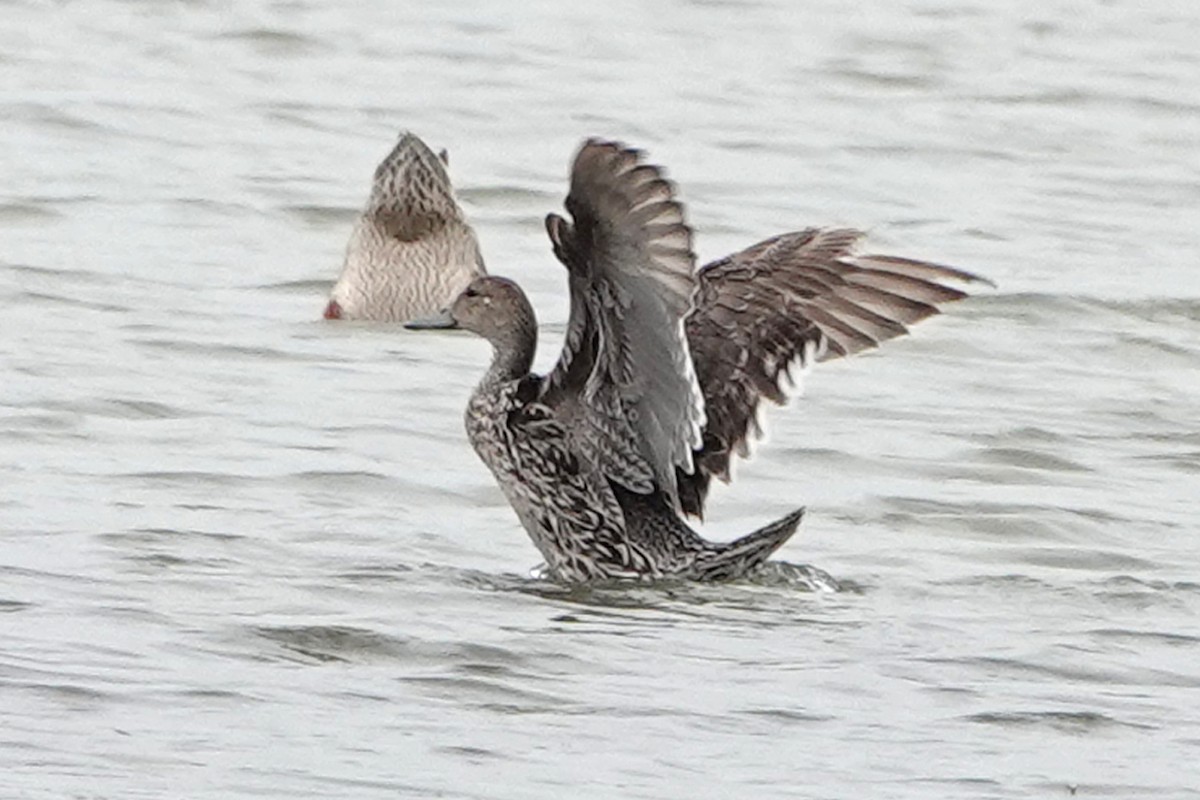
442,319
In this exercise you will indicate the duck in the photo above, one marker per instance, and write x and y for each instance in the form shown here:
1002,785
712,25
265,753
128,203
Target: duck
411,250
663,370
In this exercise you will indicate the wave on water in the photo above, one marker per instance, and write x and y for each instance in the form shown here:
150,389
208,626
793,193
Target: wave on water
325,643
322,217
1061,308
23,212
773,582
1080,722
313,286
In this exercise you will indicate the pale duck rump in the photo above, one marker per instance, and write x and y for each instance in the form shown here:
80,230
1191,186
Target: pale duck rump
411,250
663,370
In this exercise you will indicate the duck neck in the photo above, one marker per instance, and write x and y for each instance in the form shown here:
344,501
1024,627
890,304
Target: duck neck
512,353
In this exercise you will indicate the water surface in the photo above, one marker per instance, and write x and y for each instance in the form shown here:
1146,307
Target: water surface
247,553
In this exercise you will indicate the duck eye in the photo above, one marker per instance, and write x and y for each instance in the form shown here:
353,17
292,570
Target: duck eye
471,292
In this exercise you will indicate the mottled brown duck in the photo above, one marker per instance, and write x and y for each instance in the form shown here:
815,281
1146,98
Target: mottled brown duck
411,251
663,370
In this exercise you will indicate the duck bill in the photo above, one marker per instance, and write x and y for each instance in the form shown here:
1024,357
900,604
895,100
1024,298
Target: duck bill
440,321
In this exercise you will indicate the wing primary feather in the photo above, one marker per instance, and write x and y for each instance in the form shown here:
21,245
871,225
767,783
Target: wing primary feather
794,299
626,372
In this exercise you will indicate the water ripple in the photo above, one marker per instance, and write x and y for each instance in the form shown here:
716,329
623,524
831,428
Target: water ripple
248,554
1073,722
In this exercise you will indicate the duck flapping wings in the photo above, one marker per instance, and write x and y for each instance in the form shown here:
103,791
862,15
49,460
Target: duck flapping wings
664,368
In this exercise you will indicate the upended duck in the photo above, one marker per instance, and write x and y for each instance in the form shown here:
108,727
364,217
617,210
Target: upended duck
663,370
411,251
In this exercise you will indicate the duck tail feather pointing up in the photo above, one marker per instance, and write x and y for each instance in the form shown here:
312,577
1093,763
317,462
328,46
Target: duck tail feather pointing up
742,555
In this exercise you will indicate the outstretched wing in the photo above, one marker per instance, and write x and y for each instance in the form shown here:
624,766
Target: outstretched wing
784,303
625,378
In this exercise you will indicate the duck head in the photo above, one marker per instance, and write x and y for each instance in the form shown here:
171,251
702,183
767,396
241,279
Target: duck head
492,307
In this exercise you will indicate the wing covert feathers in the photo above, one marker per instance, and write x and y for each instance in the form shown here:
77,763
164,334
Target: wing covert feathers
780,305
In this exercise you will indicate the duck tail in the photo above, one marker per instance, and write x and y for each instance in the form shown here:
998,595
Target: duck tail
742,555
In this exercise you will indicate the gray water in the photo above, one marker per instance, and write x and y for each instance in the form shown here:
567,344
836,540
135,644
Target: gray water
248,553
